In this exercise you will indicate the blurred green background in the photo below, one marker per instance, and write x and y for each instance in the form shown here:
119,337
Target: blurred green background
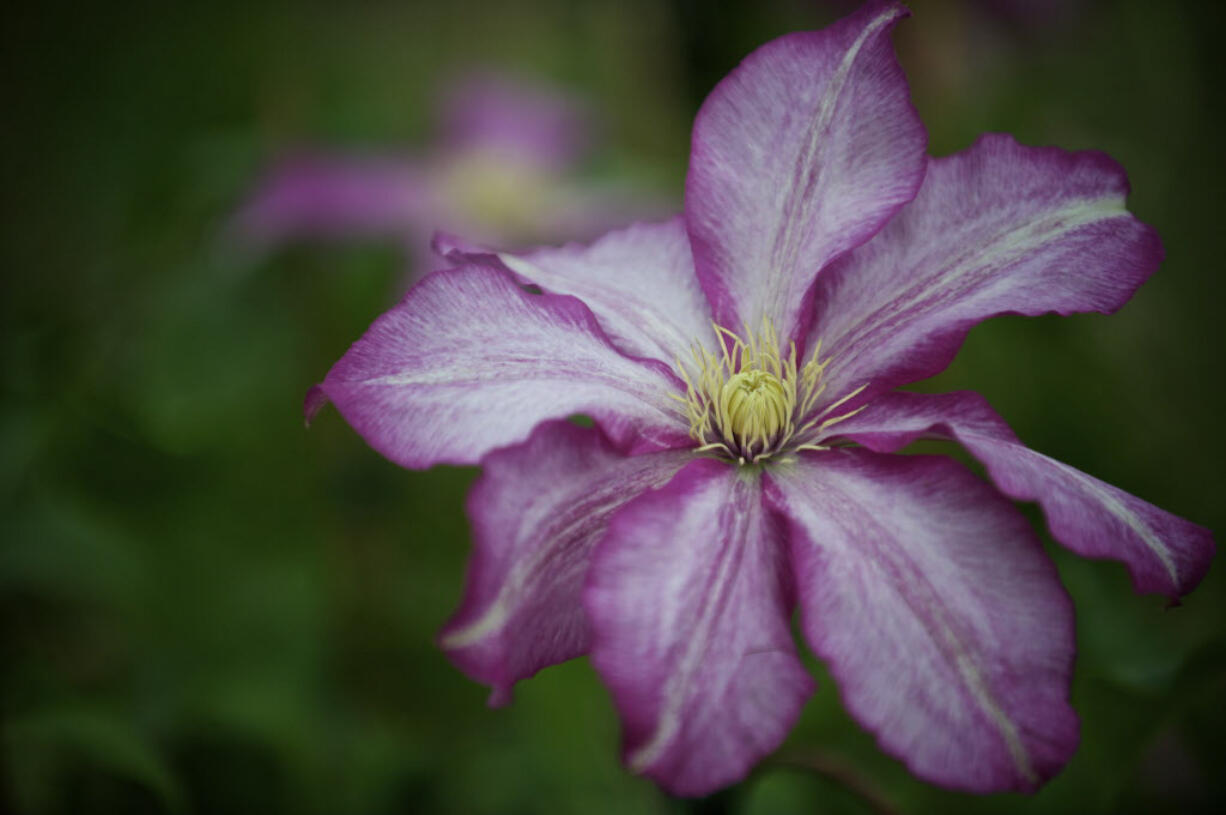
206,608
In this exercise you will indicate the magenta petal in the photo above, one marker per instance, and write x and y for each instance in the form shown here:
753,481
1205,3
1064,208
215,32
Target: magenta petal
689,602
1164,553
932,602
468,361
999,228
799,154
515,120
321,196
537,511
638,281
312,403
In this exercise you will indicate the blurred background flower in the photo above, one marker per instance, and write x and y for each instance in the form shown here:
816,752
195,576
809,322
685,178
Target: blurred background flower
503,170
207,609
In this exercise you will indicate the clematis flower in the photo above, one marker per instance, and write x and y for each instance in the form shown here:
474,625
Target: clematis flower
502,168
740,364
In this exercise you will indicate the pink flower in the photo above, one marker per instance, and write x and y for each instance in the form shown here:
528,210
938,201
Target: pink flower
503,168
741,363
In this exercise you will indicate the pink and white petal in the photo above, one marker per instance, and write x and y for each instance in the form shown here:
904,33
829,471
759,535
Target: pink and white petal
689,599
998,228
802,152
1164,553
322,196
537,511
937,612
468,361
638,281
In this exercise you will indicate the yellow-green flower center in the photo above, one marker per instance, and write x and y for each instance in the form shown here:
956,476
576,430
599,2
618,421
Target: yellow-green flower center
749,402
754,405
500,191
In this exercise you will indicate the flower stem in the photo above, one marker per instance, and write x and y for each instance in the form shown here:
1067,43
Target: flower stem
840,772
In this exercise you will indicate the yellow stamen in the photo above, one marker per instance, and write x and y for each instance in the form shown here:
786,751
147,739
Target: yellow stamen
747,401
754,407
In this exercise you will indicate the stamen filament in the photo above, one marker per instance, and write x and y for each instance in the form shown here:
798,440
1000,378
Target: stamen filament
749,400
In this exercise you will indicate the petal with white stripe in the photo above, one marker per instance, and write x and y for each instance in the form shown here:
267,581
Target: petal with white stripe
1164,553
468,361
537,511
999,228
804,151
689,599
937,612
638,281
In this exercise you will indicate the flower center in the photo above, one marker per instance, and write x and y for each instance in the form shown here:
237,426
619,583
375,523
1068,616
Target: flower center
754,405
750,402
504,192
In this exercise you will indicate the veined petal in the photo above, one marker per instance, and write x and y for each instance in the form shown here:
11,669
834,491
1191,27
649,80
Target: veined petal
1164,553
325,196
469,361
999,228
537,511
936,610
689,601
799,154
638,281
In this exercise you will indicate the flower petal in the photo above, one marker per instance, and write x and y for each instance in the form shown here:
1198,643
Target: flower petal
537,511
999,228
320,196
1164,553
468,361
937,612
515,120
689,602
638,281
799,154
